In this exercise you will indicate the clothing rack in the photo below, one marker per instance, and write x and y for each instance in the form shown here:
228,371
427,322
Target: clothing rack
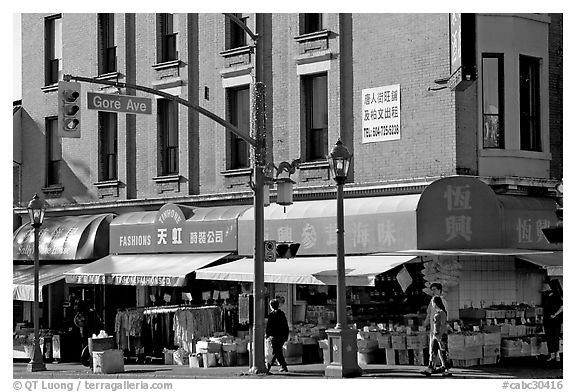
174,308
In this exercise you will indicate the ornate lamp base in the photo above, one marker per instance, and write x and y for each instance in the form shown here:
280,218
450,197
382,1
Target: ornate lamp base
343,354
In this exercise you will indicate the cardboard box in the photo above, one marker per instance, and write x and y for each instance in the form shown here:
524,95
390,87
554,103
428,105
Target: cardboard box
107,362
474,340
208,347
464,363
367,345
403,357
455,341
491,350
467,353
384,341
488,360
418,357
510,352
492,338
390,356
398,342
505,330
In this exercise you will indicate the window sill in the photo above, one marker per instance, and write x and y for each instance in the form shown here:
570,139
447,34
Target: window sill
107,184
167,64
314,165
237,172
167,178
52,191
236,51
322,34
503,153
49,88
108,76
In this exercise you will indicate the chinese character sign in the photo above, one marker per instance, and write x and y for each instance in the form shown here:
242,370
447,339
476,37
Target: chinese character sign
381,114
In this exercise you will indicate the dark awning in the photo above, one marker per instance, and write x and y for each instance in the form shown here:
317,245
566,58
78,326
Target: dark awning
142,270
83,237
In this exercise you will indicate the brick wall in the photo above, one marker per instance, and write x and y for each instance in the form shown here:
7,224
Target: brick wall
556,47
438,131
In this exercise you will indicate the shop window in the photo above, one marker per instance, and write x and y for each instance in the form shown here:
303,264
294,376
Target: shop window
106,47
168,39
108,145
312,23
239,115
237,36
167,137
493,100
53,49
316,117
530,137
53,152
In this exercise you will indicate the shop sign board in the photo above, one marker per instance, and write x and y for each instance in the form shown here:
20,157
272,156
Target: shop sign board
378,232
381,114
171,232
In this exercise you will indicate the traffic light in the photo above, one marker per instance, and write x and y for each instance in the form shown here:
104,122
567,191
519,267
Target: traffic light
287,250
270,250
69,109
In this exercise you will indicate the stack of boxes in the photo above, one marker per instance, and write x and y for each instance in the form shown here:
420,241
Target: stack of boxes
105,359
474,349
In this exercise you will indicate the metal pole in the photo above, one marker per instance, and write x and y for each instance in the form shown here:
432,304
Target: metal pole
341,322
36,363
258,362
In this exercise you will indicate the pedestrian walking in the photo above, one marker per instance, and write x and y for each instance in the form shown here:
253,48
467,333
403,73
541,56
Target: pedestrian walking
438,338
553,317
437,291
277,331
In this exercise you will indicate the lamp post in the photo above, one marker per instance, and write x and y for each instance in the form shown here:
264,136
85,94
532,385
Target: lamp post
341,340
36,213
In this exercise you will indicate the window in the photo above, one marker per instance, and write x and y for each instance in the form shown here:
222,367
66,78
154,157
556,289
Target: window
493,100
312,23
530,104
167,137
106,47
53,152
237,35
53,49
239,115
108,145
168,44
316,109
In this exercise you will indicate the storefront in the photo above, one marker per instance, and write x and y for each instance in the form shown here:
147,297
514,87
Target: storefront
65,243
486,249
153,257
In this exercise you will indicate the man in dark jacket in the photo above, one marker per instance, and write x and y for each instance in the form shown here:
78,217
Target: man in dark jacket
277,330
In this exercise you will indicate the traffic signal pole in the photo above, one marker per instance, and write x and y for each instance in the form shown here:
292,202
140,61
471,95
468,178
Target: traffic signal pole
258,142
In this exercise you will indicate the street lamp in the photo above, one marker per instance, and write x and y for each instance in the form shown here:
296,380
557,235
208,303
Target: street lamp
36,213
343,348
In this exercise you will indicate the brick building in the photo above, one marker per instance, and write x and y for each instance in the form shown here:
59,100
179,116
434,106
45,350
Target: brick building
474,96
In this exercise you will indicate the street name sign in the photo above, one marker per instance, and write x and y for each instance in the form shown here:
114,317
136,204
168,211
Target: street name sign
119,103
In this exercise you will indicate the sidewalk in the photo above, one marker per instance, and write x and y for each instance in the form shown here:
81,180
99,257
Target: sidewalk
527,370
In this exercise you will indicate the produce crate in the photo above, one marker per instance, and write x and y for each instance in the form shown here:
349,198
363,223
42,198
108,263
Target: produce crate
492,338
467,353
491,350
416,341
391,356
403,357
464,363
398,342
455,341
384,341
488,360
474,340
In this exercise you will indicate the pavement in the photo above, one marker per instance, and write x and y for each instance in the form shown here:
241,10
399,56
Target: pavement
521,368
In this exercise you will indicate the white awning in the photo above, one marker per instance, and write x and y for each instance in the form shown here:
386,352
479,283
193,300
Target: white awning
142,270
551,262
469,252
23,279
360,270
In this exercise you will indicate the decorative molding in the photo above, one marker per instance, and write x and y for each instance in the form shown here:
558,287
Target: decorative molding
50,88
53,191
108,189
169,183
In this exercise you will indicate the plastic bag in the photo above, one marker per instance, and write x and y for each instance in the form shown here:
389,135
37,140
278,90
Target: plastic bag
268,350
